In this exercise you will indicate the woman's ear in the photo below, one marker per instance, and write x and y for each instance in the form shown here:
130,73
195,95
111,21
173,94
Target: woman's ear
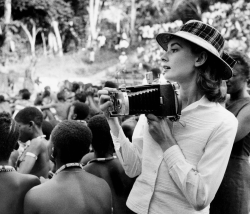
201,59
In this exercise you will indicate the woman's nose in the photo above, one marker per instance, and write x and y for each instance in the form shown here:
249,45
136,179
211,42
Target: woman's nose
164,56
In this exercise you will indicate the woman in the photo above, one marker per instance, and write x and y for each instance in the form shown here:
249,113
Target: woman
180,165
233,195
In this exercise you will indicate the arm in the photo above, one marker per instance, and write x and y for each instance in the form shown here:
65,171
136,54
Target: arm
30,158
244,123
51,105
200,183
129,154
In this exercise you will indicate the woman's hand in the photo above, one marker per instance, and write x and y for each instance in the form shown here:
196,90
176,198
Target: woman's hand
104,98
161,131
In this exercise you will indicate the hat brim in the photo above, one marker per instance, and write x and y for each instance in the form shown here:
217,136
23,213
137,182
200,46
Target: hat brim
225,70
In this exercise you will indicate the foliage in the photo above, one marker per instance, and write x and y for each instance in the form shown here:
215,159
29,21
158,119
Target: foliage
233,20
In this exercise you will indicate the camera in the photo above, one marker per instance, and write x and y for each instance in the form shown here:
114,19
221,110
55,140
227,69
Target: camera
158,99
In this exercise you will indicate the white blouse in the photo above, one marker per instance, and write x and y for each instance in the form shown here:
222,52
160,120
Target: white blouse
185,178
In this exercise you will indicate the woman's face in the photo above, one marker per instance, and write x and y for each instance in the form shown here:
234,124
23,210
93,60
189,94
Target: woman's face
237,82
178,61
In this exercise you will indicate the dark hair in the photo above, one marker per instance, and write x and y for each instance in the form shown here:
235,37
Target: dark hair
30,114
61,96
81,110
209,80
47,129
110,84
46,93
102,141
2,99
156,72
81,96
71,141
75,86
26,95
9,133
243,60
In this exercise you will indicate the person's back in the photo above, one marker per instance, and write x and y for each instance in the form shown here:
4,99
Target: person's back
120,184
13,188
78,192
71,190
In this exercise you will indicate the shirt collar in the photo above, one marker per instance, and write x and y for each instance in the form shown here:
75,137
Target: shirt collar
201,102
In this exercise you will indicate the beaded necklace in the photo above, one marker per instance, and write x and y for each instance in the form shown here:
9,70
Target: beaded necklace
6,168
68,165
101,159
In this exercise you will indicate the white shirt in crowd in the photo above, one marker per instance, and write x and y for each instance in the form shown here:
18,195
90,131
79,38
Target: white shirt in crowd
183,179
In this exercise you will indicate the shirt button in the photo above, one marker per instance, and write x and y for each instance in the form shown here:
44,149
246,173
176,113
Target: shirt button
155,171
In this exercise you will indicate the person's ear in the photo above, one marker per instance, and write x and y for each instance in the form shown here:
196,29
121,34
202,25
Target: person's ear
31,124
201,59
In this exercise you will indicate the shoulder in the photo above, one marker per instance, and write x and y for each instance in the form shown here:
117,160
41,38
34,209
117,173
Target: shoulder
39,143
29,180
98,182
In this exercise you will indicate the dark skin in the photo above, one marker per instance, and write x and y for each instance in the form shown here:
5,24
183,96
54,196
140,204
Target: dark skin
13,188
72,190
120,184
38,147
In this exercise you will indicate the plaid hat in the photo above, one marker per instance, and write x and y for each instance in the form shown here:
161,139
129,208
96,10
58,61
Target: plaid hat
206,37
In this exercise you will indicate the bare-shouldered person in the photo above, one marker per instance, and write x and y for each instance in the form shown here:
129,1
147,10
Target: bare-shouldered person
61,107
71,190
34,159
105,165
13,185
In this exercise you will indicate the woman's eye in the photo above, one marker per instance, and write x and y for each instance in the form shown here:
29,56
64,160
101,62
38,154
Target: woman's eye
174,50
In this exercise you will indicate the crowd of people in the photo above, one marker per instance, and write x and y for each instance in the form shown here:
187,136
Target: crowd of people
63,152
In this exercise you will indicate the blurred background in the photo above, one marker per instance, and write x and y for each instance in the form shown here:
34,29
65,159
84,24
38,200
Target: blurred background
47,42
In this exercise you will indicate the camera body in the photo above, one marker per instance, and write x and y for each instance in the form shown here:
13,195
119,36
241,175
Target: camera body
158,99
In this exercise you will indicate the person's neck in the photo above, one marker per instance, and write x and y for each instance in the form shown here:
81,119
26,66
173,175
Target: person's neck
108,155
59,164
189,94
239,95
37,133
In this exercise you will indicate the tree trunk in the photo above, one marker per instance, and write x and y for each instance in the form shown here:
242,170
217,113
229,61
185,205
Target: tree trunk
93,18
44,44
31,36
132,23
6,31
58,37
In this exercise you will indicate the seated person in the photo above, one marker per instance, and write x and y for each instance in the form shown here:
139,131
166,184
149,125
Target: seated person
71,190
78,111
105,165
13,185
61,107
34,158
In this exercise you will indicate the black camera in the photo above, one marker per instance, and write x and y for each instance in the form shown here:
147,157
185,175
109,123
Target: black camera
158,99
